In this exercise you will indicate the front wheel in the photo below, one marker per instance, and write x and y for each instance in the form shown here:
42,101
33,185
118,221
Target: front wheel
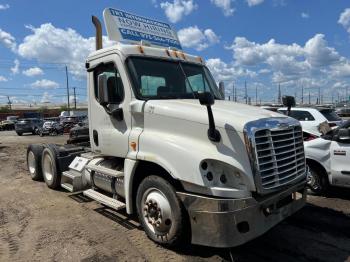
316,180
160,212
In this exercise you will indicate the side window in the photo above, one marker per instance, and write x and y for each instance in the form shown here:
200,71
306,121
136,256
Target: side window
150,85
302,115
114,82
197,82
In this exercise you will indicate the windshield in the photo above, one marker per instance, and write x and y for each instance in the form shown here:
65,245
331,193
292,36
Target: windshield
162,79
330,114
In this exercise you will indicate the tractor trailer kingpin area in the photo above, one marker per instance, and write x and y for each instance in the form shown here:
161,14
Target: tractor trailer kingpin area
167,146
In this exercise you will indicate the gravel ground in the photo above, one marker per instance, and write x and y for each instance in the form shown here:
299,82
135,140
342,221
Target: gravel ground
39,224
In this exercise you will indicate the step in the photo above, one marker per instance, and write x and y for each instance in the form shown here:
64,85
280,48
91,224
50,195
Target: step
103,199
104,170
72,181
67,187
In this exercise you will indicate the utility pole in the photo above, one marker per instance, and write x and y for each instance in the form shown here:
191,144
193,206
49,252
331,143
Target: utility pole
279,93
319,95
233,91
309,98
67,91
256,94
9,102
302,94
75,99
246,93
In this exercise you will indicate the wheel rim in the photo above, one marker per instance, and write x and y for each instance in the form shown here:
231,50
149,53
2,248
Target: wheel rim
31,162
47,167
312,180
157,213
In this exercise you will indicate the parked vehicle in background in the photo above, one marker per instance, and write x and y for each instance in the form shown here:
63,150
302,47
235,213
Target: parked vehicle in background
50,128
327,158
311,118
343,112
12,118
7,125
79,133
28,125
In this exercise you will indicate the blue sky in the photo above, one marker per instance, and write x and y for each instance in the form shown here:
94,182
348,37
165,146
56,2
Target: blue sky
293,43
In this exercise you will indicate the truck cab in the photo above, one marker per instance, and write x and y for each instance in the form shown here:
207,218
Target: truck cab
167,146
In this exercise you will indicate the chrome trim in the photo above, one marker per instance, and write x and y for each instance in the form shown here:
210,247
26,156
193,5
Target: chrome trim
271,124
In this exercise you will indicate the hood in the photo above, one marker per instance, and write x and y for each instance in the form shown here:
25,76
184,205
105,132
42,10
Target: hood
227,114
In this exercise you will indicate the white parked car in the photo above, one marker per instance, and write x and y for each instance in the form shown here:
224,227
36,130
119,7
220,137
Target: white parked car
310,118
327,159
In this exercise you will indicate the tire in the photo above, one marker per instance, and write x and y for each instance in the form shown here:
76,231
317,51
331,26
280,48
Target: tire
18,133
160,212
50,170
317,181
34,153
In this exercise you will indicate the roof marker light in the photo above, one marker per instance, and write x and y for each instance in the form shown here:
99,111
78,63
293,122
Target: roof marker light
141,49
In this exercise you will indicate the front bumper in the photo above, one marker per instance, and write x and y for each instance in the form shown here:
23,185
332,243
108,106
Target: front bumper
232,222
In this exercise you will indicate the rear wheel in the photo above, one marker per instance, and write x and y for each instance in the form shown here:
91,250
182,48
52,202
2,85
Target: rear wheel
50,171
317,181
34,153
19,133
160,212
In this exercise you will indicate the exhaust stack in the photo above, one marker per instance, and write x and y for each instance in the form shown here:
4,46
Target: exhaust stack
98,28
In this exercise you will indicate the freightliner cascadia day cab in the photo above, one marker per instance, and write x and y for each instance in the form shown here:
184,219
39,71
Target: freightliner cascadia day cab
167,146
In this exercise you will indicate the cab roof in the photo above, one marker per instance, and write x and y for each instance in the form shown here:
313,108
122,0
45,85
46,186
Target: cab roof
147,51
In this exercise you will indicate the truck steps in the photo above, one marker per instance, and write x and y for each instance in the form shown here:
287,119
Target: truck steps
103,199
71,180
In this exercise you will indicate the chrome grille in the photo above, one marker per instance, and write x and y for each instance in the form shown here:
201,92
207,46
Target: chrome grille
279,156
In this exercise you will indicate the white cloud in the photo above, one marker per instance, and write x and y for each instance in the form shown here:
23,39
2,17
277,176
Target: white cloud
254,2
318,53
4,7
304,15
225,5
15,68
49,44
7,40
45,84
177,9
227,72
3,79
344,19
195,38
33,71
46,98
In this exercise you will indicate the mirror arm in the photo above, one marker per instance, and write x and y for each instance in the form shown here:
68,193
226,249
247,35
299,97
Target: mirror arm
117,113
213,133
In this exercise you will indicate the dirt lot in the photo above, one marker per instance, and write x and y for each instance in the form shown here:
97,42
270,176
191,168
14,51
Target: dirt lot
39,224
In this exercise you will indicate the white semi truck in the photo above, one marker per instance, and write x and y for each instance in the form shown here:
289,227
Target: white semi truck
167,146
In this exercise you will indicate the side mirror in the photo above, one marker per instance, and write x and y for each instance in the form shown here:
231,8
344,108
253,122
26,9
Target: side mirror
343,135
206,98
288,101
102,90
222,89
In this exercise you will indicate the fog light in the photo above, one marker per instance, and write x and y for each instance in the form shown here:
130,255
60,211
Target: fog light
209,176
223,179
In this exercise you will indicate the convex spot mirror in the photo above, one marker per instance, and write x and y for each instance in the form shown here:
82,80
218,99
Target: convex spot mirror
205,98
288,101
